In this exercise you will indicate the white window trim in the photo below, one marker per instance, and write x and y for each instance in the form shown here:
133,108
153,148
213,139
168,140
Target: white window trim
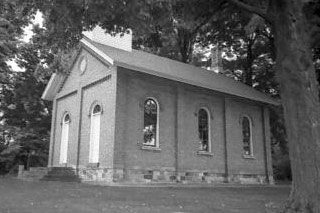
250,156
157,143
209,131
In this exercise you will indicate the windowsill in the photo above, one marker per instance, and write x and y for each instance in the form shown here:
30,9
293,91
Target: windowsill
248,157
205,153
151,148
93,165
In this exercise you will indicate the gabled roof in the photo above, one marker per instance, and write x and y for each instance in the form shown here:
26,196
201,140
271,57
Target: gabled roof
53,87
174,70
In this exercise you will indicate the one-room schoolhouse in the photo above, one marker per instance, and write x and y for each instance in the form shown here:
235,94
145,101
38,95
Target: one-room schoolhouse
121,114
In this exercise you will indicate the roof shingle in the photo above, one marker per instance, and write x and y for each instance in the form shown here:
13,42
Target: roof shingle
174,70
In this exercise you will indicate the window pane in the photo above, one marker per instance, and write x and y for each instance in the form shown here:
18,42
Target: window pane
150,122
97,109
66,118
246,133
203,128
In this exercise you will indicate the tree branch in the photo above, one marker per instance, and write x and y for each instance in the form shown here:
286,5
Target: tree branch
253,9
202,24
315,39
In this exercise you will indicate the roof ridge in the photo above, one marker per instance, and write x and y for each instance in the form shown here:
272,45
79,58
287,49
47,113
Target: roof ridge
176,70
164,58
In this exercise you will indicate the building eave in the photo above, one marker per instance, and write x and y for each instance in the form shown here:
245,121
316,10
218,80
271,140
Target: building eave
168,71
266,99
53,87
88,45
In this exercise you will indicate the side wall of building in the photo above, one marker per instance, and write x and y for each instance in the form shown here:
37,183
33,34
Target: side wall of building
243,167
178,157
136,162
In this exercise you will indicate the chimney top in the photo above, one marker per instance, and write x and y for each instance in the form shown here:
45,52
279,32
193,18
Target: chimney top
99,35
216,60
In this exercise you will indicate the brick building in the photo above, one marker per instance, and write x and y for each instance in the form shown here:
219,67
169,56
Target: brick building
126,115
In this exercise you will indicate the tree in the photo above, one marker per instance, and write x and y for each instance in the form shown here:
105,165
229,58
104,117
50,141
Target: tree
14,15
174,27
25,117
165,28
296,31
295,27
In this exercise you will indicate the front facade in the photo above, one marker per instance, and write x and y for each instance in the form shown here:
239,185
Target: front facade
112,123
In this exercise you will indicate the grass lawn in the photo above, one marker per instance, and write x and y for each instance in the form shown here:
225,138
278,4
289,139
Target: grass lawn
18,196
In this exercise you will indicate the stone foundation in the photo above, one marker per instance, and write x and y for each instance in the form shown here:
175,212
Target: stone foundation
165,176
249,179
108,175
95,174
147,176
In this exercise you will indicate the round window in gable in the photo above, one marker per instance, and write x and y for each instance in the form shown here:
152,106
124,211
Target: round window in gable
83,64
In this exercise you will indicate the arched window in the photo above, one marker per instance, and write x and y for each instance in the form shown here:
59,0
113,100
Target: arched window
151,123
95,134
64,138
204,129
247,135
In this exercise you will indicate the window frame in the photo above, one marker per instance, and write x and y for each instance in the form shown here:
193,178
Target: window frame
250,155
200,151
157,141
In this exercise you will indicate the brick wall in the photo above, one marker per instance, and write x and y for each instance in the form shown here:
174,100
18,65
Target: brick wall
101,93
96,85
192,99
66,105
138,163
131,93
237,163
122,93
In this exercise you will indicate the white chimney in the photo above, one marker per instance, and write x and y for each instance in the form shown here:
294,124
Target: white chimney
98,35
216,60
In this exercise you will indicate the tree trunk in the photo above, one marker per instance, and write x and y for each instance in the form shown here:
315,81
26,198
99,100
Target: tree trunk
300,99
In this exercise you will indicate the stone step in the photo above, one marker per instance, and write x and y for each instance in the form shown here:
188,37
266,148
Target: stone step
63,174
63,171
61,179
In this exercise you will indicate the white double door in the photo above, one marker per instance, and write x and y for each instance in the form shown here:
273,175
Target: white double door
64,143
94,139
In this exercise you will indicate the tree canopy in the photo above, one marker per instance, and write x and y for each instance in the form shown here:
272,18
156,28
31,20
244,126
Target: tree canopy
267,37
